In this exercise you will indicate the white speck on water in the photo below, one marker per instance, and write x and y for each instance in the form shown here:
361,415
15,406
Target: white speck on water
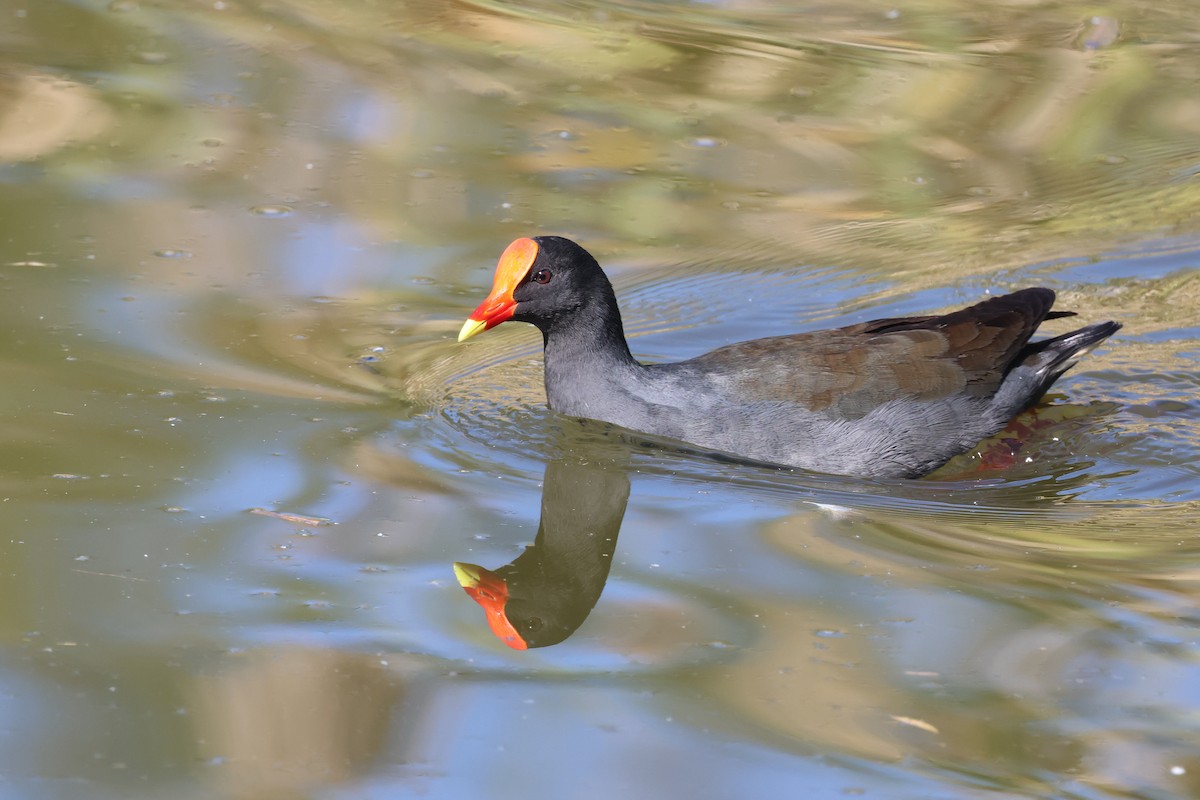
1177,770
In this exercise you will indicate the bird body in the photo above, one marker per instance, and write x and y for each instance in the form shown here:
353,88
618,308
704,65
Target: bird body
887,398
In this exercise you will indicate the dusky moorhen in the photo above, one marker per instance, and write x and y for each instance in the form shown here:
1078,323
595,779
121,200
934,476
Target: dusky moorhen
887,398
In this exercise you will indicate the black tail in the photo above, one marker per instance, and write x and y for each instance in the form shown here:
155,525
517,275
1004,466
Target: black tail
1040,364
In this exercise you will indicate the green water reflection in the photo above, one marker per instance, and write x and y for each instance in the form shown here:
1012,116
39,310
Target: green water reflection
239,237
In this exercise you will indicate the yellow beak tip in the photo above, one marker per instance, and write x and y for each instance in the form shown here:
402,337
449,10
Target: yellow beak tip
467,574
470,328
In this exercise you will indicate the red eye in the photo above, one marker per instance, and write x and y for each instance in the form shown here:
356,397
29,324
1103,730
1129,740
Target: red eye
542,276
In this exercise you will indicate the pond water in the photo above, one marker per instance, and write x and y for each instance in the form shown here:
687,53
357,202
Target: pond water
243,451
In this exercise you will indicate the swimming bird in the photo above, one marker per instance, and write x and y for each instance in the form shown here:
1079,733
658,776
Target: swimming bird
893,397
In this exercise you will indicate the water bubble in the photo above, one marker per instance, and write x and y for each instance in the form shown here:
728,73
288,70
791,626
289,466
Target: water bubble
707,142
173,253
273,210
212,141
827,633
1098,33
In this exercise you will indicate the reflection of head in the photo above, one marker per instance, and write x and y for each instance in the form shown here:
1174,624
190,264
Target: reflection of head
547,592
491,592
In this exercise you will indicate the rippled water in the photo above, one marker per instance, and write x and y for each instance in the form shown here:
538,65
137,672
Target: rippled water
244,450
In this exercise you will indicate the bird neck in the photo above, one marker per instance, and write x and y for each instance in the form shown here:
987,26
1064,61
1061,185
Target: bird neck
587,360
591,337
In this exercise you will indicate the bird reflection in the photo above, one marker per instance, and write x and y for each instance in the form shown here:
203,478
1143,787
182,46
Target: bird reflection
544,595
547,592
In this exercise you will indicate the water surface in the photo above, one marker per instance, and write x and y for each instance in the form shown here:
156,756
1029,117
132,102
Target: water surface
243,449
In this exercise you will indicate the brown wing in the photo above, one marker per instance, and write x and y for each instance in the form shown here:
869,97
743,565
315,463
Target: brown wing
849,371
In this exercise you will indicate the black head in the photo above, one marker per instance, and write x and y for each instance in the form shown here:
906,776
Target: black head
545,281
563,279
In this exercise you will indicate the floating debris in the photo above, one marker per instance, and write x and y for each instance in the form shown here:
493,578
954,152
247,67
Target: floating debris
916,723
296,519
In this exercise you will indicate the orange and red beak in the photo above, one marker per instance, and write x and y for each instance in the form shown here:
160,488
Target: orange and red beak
490,591
515,263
